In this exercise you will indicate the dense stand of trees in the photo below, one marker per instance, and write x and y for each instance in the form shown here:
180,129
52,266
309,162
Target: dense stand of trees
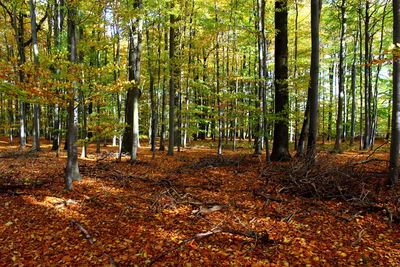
190,70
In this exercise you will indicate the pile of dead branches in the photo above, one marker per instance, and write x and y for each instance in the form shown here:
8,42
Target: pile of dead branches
325,178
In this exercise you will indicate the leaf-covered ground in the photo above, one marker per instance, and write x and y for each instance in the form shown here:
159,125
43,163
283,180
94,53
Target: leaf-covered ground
194,208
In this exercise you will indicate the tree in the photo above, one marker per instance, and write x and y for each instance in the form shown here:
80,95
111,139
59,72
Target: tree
314,72
172,83
72,169
395,142
131,135
36,116
280,149
339,118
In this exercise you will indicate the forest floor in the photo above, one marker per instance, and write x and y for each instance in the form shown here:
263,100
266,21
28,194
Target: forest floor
197,208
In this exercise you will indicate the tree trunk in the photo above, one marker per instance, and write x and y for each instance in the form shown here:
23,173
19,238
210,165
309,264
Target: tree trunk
164,96
280,150
395,142
36,113
367,97
296,100
339,118
172,82
353,92
330,113
314,72
72,169
153,116
219,149
18,25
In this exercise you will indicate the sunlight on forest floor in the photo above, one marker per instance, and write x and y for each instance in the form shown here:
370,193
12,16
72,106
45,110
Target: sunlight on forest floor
194,208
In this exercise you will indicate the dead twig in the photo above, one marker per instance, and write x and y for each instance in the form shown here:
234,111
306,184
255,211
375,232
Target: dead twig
359,239
91,240
267,198
367,161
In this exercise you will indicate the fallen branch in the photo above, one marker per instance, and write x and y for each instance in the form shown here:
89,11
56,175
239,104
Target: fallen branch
290,216
83,230
323,208
359,239
373,152
267,198
367,161
91,240
262,237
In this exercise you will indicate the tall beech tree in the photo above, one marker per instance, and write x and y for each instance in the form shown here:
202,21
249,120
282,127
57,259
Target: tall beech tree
72,169
395,141
36,113
280,149
131,136
314,73
341,96
172,84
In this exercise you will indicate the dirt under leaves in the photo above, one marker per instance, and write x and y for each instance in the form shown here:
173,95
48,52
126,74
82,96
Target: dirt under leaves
194,208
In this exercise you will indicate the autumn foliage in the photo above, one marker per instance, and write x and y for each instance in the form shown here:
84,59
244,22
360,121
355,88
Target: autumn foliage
195,208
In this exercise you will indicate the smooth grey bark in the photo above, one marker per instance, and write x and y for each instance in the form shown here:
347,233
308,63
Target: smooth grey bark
131,135
84,130
314,73
330,112
58,22
296,100
219,148
164,93
72,169
395,141
353,92
172,82
361,77
280,150
18,24
36,112
153,116
339,117
367,77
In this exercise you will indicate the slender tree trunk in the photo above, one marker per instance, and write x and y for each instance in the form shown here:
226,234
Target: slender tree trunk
18,25
314,72
339,118
280,150
58,20
353,92
72,169
164,97
36,112
219,149
330,113
395,142
172,82
135,51
367,70
361,78
153,116
296,100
